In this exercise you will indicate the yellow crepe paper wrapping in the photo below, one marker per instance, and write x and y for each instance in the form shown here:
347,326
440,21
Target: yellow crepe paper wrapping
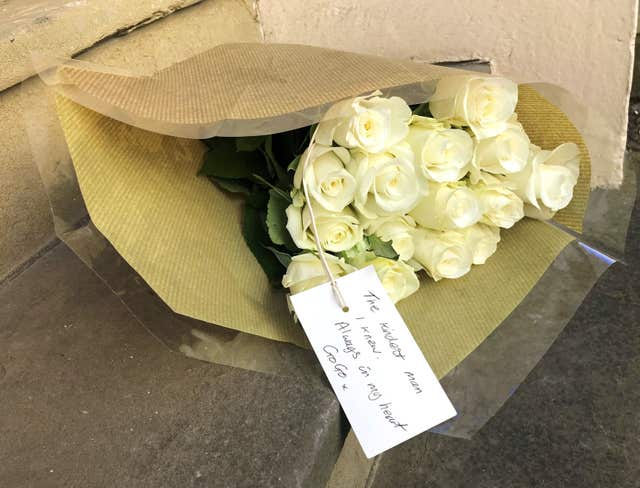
182,234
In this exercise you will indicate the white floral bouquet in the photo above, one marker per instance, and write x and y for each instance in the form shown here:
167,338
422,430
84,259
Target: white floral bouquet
421,177
414,169
403,188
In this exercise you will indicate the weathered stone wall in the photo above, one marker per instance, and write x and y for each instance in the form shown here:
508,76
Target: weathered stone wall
25,219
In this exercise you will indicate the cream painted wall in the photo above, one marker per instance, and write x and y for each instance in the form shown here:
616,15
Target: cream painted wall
585,46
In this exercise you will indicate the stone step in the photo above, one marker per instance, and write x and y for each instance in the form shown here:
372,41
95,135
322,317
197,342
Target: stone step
90,398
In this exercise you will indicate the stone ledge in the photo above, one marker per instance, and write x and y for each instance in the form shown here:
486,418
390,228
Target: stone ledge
27,108
89,398
62,29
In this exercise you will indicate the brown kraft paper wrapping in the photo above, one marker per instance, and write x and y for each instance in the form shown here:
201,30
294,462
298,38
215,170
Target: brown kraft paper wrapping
182,234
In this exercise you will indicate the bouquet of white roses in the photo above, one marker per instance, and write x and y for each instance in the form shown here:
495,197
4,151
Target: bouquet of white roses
403,188
420,177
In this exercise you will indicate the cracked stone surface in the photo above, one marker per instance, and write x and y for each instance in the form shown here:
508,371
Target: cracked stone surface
89,398
31,140
59,28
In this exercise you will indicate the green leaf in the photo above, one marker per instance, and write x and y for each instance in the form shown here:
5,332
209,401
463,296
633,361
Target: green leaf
422,109
249,144
312,129
281,256
278,171
360,248
381,248
279,191
304,143
258,199
277,218
255,236
223,161
287,145
233,186
293,166
359,254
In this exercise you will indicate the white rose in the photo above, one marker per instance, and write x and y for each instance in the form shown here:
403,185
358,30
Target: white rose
443,254
328,182
482,240
441,153
397,230
448,206
542,213
557,174
500,206
547,182
399,279
508,152
483,103
372,123
306,271
387,182
338,231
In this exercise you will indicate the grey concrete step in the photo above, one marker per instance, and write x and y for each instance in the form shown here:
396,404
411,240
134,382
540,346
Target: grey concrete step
89,398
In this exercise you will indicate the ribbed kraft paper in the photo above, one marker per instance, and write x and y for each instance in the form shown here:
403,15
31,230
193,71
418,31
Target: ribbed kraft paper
182,235
243,82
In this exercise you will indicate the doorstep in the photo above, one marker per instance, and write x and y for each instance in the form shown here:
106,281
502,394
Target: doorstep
90,398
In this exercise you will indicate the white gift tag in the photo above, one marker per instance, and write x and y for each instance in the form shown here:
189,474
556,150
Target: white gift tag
383,382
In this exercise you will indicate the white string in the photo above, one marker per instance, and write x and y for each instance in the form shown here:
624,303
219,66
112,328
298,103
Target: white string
314,228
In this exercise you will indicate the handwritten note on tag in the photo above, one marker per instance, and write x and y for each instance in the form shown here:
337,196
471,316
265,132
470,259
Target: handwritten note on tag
383,382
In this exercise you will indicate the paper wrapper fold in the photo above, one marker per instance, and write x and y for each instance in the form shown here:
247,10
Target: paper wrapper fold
134,146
